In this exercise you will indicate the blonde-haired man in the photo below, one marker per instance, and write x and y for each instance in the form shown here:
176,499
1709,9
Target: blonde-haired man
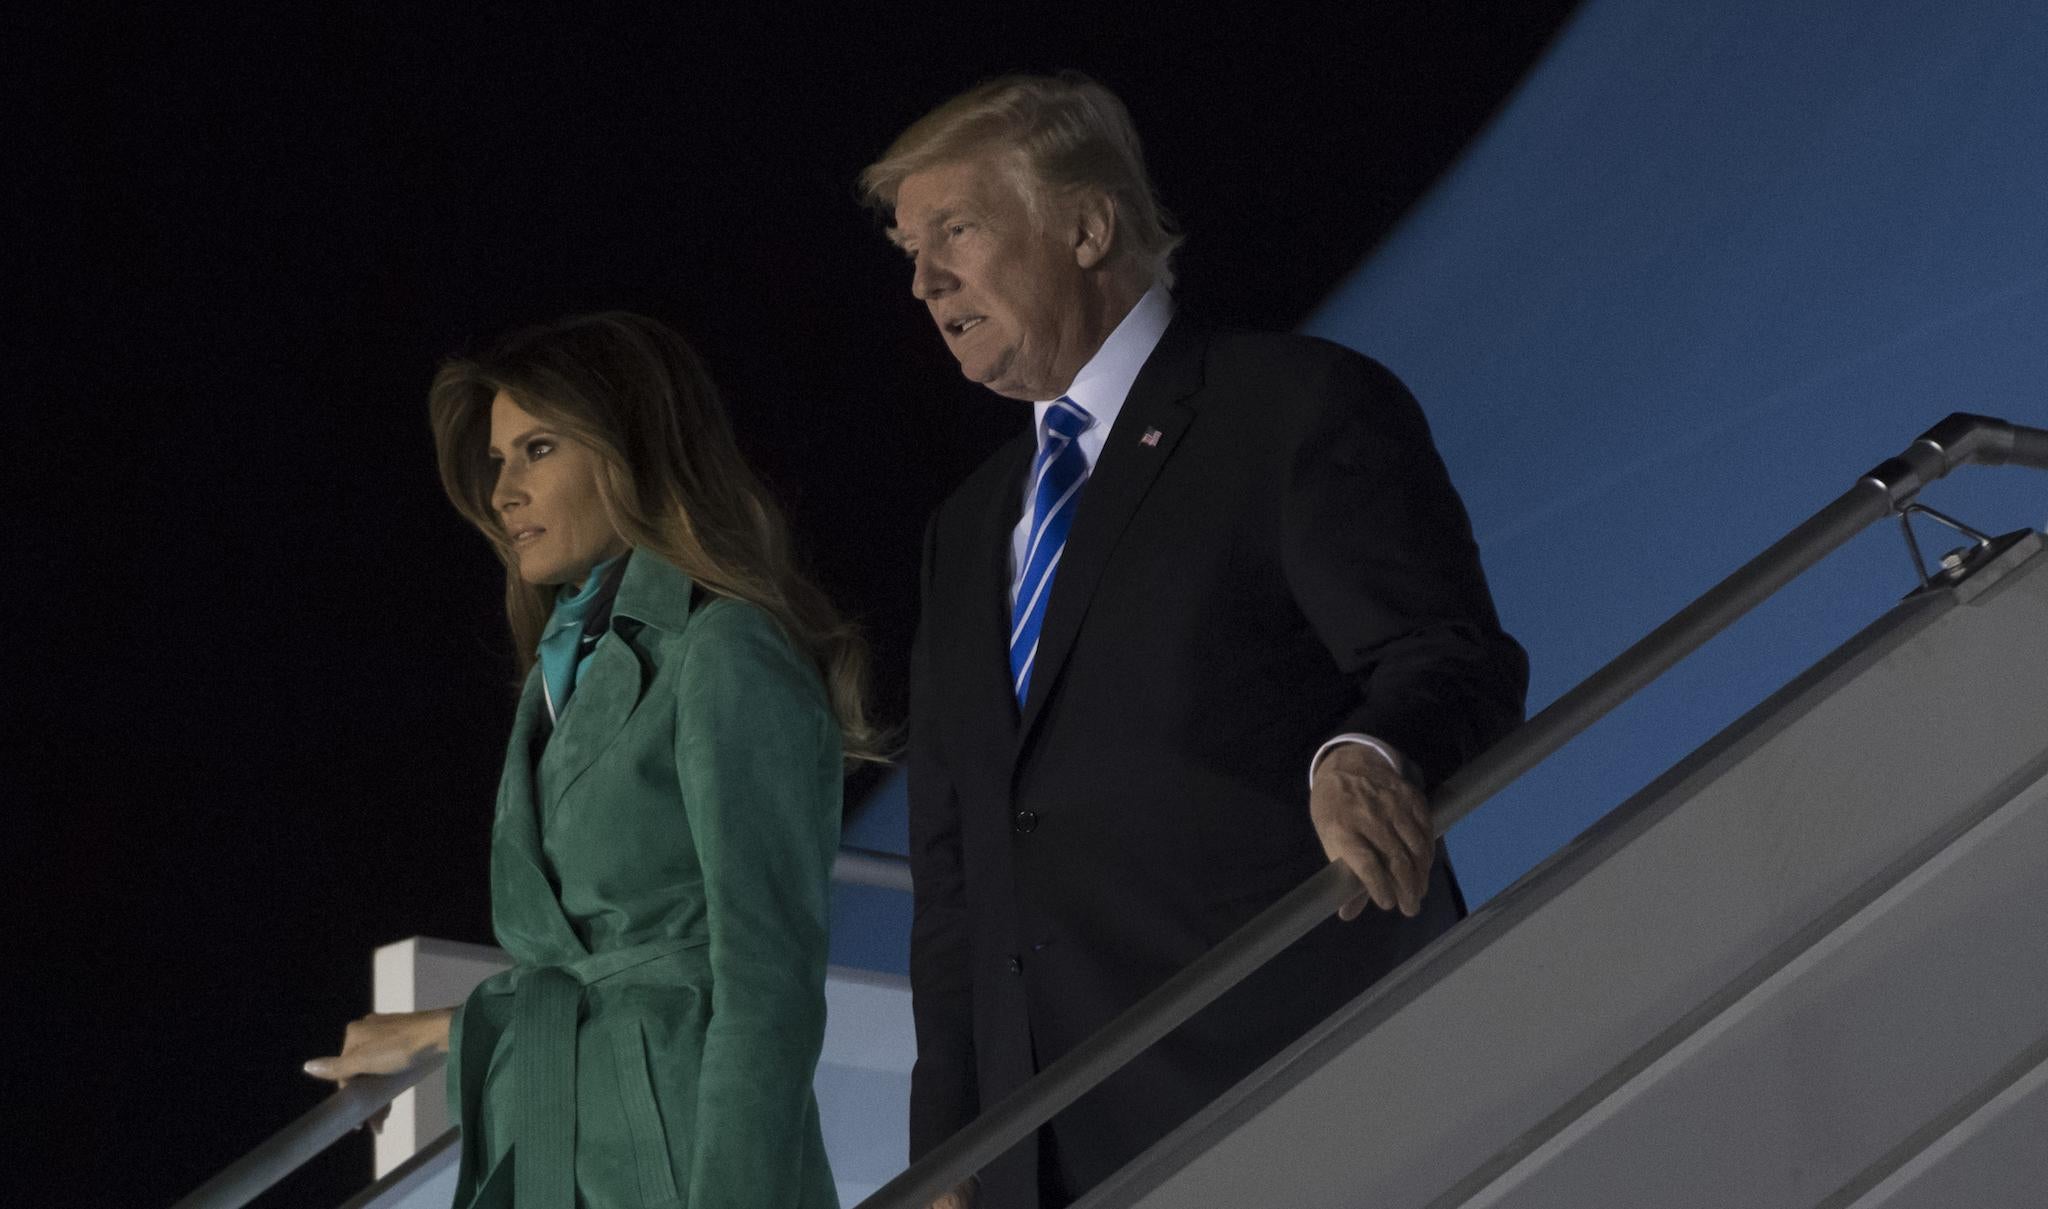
1217,620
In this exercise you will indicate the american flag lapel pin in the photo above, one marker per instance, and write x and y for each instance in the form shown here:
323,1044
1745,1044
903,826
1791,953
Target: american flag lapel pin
1151,438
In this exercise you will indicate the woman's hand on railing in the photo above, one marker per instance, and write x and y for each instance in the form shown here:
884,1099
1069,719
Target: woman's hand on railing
1374,820
965,1196
385,1043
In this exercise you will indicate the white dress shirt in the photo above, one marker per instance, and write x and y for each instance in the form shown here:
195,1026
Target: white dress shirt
1100,390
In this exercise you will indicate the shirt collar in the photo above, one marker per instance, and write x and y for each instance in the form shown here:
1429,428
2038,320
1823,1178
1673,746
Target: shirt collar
1105,382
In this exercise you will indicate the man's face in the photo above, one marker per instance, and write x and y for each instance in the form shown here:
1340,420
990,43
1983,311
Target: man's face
1010,295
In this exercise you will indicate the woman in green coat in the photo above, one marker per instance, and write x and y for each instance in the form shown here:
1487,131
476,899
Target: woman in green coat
669,809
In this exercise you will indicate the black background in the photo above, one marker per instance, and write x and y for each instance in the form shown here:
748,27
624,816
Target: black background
255,666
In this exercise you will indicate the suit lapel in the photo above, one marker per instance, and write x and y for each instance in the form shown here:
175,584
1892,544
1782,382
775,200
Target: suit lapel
989,594
1147,429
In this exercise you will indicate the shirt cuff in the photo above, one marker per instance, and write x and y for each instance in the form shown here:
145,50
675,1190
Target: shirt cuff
1386,751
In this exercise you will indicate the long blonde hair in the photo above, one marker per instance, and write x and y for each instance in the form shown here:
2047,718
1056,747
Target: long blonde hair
670,477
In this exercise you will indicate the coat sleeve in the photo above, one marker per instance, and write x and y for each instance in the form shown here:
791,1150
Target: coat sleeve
943,1094
757,753
1380,557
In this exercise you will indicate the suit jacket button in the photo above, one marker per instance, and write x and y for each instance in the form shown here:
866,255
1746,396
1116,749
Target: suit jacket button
1025,823
1016,965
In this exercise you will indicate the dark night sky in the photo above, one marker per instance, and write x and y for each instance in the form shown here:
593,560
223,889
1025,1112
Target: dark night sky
266,683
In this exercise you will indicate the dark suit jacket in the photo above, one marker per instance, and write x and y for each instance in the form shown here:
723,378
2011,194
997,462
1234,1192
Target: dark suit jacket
1284,561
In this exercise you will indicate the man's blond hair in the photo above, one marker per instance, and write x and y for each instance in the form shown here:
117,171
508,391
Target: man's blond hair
1067,131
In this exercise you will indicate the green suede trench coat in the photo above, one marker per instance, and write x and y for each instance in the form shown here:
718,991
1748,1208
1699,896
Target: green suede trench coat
660,869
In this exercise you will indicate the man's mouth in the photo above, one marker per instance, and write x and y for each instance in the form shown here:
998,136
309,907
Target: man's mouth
960,327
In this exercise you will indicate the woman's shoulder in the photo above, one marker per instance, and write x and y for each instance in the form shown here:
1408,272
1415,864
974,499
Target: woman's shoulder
730,640
716,618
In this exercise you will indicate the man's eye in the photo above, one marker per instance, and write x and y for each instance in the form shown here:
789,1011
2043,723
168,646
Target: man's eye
958,229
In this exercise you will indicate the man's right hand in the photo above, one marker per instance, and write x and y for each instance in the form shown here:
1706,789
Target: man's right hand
962,1197
1377,822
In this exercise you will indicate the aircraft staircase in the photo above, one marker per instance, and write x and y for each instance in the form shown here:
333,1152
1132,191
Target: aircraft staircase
1806,967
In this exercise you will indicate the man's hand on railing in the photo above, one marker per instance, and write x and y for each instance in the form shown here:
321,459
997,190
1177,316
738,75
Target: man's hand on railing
964,1196
385,1043
1370,817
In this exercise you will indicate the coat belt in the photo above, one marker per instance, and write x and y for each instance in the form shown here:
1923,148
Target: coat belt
546,1003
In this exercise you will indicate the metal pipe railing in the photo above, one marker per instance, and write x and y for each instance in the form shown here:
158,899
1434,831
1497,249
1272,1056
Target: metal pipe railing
1959,440
297,1143
330,1120
408,1177
860,867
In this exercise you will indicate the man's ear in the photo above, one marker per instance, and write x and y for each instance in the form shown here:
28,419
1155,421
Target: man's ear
1094,228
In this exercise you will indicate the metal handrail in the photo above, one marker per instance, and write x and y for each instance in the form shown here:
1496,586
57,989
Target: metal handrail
1959,440
331,1120
862,867
419,1168
297,1143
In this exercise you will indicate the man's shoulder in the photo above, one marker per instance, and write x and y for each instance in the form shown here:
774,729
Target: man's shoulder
1286,383
1232,350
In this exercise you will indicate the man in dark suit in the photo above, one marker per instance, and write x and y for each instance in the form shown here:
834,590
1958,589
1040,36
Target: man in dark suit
1217,621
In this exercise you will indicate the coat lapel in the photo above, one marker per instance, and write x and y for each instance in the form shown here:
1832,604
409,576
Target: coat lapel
606,694
525,914
1147,429
652,592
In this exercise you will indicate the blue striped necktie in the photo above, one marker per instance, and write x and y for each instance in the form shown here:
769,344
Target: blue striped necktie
1056,478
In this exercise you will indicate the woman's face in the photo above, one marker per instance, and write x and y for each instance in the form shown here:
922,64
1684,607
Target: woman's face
546,497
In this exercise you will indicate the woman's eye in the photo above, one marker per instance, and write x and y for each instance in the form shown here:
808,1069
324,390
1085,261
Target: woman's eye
539,449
